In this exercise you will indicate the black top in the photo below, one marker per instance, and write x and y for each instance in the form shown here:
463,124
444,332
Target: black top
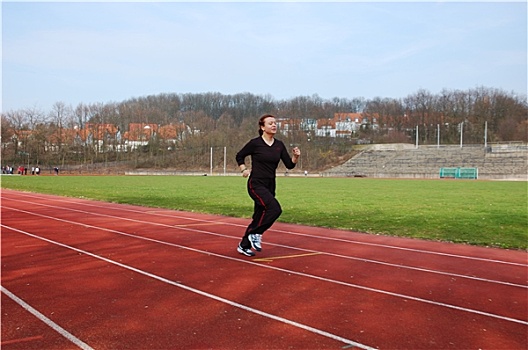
264,158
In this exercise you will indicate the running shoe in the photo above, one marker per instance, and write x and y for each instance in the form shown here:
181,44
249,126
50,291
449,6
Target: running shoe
255,239
245,251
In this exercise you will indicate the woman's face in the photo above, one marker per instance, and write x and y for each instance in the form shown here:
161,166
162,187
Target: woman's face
270,126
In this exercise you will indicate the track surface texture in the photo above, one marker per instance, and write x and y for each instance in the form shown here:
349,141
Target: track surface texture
84,274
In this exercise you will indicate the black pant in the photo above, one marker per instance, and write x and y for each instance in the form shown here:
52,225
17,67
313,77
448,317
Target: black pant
267,209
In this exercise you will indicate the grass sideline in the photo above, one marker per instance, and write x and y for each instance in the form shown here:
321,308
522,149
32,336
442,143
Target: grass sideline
484,213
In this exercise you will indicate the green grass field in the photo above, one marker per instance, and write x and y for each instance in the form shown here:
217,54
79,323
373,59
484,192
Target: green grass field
482,213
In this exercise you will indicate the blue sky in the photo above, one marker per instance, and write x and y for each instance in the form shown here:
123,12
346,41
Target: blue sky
81,52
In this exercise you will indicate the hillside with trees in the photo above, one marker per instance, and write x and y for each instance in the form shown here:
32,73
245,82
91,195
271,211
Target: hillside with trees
188,126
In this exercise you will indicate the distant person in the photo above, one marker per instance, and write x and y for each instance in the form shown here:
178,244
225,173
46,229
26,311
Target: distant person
37,170
56,170
266,152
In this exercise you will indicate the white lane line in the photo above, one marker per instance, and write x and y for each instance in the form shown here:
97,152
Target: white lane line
292,272
46,320
449,274
400,266
421,251
205,294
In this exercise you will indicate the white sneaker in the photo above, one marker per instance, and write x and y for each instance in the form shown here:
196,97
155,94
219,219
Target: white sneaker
245,251
255,239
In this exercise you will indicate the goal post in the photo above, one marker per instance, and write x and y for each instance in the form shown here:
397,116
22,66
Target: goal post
459,173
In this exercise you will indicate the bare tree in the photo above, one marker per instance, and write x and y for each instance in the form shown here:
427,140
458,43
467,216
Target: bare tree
7,134
94,132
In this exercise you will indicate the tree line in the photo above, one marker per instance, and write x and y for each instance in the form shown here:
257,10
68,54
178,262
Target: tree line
228,121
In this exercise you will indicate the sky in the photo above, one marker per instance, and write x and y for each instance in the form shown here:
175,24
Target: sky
101,52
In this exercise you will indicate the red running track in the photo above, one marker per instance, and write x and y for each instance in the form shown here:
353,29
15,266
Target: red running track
85,274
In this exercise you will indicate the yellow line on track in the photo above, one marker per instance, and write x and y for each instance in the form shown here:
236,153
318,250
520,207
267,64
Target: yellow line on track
199,224
271,258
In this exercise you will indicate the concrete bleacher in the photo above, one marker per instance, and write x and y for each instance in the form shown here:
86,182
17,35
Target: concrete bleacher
407,161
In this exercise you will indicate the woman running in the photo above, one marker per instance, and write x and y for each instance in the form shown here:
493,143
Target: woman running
266,152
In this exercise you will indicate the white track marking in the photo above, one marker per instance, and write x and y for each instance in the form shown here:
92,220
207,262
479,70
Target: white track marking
422,251
397,295
449,274
202,293
46,320
277,245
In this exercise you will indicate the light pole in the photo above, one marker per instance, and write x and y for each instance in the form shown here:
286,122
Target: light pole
438,136
486,135
461,133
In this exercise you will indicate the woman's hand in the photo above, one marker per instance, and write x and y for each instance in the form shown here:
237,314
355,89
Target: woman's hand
296,154
245,172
